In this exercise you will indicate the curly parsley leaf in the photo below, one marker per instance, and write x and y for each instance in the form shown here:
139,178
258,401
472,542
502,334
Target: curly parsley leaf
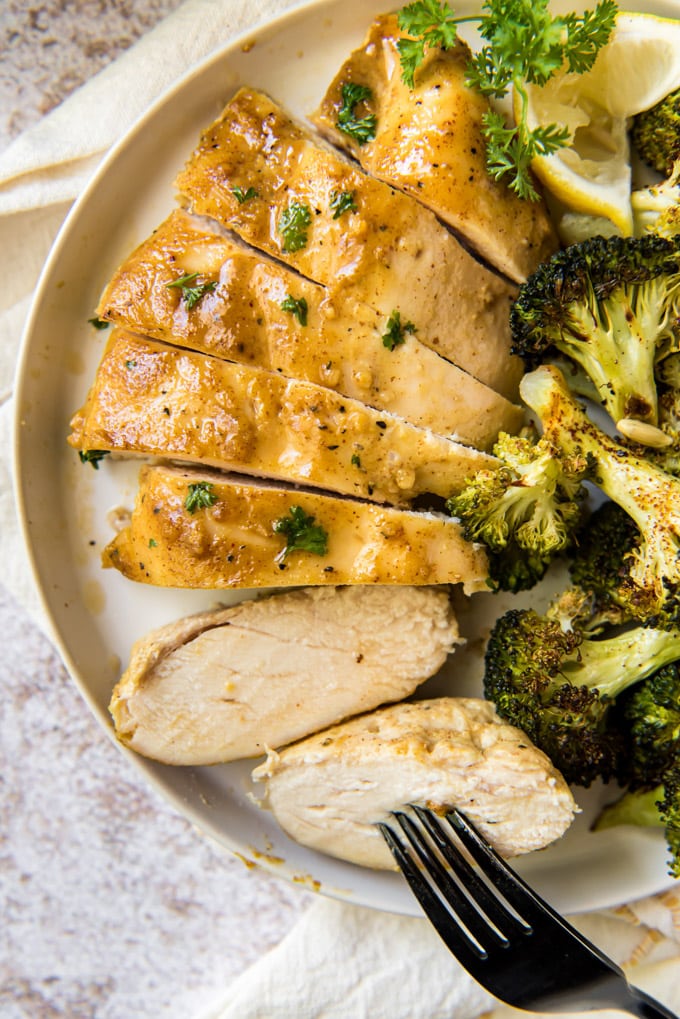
432,23
201,495
395,331
293,226
93,456
302,534
191,295
296,306
341,202
524,43
362,129
588,34
242,196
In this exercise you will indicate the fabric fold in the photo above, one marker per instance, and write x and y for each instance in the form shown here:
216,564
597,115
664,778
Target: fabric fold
340,961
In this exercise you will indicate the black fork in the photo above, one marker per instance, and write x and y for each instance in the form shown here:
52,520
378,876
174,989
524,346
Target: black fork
511,941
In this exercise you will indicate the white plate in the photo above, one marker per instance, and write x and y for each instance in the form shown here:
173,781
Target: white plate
97,615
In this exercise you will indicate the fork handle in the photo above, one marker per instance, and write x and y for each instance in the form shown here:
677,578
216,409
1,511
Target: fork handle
647,1008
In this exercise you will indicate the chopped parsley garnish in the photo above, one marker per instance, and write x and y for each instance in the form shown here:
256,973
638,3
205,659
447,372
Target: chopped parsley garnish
293,226
99,323
297,307
356,460
362,129
342,201
302,534
200,496
242,196
93,456
525,44
153,543
191,295
130,364
395,332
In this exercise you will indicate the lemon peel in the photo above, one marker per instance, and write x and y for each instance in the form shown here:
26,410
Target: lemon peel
637,67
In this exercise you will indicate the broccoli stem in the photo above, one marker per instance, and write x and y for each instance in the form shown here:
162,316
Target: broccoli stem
649,495
627,333
640,807
614,664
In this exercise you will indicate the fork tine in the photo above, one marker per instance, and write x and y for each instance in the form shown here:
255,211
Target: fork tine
491,905
469,953
520,896
475,921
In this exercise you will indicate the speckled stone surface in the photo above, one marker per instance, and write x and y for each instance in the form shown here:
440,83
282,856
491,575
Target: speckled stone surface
48,49
111,904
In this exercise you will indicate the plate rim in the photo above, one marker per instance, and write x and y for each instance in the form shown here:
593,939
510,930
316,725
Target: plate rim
79,208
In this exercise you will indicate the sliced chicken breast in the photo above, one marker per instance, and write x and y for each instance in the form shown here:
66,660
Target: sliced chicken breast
250,534
388,251
236,682
428,142
256,311
329,790
155,399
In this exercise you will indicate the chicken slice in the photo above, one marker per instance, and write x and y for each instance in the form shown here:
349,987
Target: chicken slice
329,790
429,143
151,398
231,541
333,341
233,683
391,253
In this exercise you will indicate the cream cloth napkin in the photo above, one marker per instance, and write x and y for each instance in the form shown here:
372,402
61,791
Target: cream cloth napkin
340,961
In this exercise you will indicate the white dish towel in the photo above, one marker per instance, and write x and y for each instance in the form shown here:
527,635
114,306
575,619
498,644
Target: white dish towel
340,961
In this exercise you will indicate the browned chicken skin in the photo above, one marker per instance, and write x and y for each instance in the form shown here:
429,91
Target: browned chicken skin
429,143
232,543
332,340
391,253
154,399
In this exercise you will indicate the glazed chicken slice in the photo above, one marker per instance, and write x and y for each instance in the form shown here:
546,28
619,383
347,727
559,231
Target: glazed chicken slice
232,683
155,399
329,790
428,142
384,248
201,529
256,311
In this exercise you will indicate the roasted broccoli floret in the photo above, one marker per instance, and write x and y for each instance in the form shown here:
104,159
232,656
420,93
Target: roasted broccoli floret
559,686
598,563
584,610
650,715
655,133
610,304
526,511
649,575
656,209
658,807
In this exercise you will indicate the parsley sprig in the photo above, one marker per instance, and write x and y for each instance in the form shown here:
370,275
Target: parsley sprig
297,306
192,292
524,44
395,330
242,196
342,202
294,226
362,129
200,495
302,534
93,457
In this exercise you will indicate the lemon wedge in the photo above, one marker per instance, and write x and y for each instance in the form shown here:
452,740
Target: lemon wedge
639,66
